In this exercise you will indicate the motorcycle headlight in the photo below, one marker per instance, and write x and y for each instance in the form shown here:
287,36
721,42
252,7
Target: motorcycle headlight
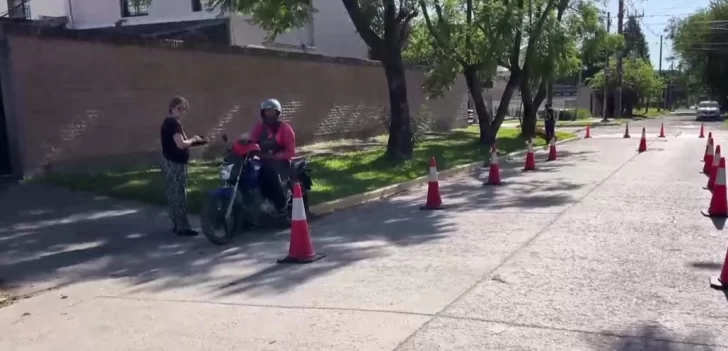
225,171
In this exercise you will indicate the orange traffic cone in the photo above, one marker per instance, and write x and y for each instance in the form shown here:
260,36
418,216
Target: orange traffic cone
643,142
300,249
587,135
708,158
662,130
626,131
714,169
718,202
721,282
494,172
434,202
552,150
702,131
530,158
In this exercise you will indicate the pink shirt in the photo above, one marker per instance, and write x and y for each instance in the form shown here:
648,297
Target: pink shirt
285,137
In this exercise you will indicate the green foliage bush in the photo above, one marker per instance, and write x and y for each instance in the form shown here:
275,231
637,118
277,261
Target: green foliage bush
568,114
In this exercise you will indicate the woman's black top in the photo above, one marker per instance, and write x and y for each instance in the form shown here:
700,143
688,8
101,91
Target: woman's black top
170,127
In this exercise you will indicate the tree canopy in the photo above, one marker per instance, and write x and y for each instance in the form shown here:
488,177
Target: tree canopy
537,41
699,44
639,77
570,34
634,40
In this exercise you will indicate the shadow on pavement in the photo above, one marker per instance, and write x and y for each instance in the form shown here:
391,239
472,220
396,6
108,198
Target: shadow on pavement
654,337
706,265
369,232
51,237
718,222
519,190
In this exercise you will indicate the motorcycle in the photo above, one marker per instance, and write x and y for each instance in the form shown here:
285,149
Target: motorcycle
238,204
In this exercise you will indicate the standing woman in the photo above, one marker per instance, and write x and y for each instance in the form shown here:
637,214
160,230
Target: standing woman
176,155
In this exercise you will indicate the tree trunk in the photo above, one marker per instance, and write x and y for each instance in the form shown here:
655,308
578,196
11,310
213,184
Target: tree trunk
400,143
647,105
475,87
528,125
540,95
505,103
550,92
530,107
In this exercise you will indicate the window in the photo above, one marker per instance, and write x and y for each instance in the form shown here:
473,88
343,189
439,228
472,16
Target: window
196,5
132,8
26,9
18,9
708,104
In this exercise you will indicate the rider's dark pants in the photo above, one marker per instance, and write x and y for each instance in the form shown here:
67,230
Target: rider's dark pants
270,181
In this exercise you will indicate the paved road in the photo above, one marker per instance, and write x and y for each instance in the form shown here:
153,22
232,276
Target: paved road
603,249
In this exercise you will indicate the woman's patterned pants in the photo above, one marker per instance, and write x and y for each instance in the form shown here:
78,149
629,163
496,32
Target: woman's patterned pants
175,181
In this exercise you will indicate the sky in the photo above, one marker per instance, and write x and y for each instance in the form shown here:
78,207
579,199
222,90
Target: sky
657,14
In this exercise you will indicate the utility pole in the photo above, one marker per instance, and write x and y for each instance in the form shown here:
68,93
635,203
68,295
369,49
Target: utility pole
606,74
671,86
620,24
578,92
662,94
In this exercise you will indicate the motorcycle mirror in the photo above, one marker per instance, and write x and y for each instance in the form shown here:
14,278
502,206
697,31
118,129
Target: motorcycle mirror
224,138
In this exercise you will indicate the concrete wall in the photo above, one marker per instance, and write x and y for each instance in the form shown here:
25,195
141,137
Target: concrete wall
79,102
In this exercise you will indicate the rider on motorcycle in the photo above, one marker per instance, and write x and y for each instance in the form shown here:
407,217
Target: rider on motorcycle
277,143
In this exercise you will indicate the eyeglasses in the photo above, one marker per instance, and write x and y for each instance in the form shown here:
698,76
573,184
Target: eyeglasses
182,108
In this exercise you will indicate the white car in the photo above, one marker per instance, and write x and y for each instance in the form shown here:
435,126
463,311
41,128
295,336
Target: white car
708,110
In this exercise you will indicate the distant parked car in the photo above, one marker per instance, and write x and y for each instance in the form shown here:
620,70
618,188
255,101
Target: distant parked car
708,110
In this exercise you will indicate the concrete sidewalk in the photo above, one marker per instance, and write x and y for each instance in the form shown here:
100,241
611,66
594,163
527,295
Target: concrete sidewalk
603,249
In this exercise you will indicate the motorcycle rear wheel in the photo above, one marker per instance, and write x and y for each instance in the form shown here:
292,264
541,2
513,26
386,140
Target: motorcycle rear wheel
215,227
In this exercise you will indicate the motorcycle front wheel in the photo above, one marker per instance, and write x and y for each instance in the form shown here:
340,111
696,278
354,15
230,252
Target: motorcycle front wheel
216,227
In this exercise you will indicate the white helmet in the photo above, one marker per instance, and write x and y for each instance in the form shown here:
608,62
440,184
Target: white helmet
271,104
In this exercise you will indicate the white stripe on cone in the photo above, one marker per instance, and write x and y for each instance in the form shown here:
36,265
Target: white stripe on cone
530,147
716,159
494,157
720,177
643,133
433,175
298,212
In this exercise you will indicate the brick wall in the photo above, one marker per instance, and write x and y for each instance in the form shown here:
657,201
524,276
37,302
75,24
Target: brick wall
96,104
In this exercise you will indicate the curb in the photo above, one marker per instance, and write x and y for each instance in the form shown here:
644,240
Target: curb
381,193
